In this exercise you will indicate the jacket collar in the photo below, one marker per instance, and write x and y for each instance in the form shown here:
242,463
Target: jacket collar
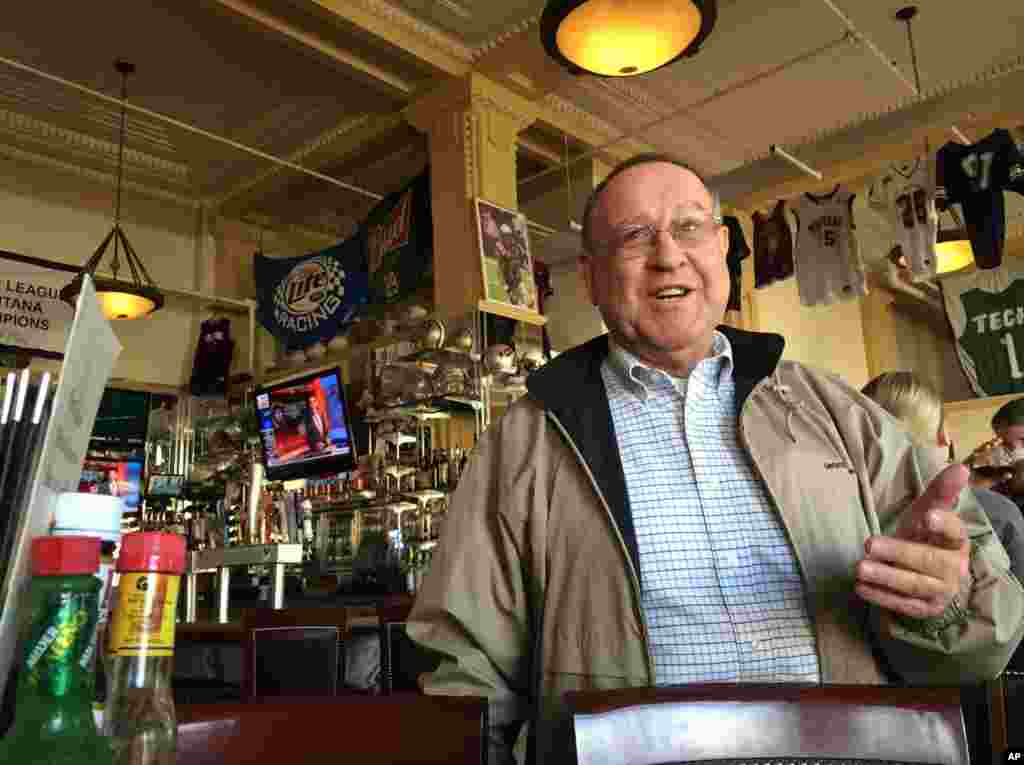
557,385
571,389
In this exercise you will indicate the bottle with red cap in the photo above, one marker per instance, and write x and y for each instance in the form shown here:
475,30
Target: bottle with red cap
53,723
139,718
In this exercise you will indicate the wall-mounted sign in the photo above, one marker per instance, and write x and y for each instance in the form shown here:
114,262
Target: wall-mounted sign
313,297
32,315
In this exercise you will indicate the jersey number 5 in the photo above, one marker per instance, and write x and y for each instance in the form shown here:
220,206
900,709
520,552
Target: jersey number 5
913,208
1011,352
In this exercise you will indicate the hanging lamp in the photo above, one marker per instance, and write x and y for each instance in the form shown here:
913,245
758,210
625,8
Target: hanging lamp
623,38
953,251
119,298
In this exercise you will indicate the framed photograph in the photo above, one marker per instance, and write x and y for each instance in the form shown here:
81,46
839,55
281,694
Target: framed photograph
163,485
505,256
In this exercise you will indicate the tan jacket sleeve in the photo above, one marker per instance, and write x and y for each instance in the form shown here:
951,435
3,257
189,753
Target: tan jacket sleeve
473,606
976,636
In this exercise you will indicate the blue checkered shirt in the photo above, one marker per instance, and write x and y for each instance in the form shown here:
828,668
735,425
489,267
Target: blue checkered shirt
722,594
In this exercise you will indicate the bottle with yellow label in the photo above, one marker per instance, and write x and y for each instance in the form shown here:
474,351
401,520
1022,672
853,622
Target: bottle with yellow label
139,717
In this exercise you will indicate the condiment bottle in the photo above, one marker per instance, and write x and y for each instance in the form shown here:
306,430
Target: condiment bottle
53,722
76,514
139,718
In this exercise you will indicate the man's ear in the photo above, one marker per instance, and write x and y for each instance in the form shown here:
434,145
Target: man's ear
723,239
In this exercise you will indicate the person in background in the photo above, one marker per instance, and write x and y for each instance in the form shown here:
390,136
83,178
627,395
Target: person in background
918,407
674,503
999,462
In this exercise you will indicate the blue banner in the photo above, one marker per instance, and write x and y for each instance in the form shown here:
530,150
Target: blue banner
314,297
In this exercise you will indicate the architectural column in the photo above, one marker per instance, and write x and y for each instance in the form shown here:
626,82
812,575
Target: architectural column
472,124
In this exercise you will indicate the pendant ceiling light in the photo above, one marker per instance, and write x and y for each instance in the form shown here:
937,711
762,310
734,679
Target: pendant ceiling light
953,251
622,38
119,298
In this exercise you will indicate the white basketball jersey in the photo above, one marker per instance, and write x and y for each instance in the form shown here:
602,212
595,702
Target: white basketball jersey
828,264
905,195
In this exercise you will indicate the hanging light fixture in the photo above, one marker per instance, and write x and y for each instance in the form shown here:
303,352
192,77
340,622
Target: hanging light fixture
953,251
119,298
622,38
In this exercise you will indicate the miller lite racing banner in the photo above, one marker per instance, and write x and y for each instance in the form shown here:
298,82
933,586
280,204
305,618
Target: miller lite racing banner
399,236
32,315
311,298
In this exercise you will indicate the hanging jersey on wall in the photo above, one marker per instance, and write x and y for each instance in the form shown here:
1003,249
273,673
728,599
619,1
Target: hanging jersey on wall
828,264
773,246
975,176
986,311
212,364
905,196
738,252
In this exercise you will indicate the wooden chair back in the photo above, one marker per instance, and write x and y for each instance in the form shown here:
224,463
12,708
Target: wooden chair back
401,660
756,724
371,730
292,652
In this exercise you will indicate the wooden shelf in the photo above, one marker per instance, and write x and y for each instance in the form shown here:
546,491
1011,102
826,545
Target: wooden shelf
513,312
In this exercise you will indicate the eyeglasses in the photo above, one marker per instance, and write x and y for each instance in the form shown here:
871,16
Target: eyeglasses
634,241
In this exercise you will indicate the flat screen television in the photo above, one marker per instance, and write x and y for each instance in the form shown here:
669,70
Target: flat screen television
304,427
120,478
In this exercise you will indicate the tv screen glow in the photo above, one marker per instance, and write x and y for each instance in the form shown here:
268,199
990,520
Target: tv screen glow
120,478
304,427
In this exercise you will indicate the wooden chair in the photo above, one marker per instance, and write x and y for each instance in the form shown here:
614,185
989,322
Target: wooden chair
372,730
401,660
780,724
292,652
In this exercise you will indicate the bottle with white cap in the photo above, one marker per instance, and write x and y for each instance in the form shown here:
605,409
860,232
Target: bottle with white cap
96,515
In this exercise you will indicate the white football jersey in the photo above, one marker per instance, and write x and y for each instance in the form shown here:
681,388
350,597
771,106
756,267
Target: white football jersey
828,264
905,196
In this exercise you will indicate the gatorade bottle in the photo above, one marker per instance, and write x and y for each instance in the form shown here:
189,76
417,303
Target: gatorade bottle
53,722
139,716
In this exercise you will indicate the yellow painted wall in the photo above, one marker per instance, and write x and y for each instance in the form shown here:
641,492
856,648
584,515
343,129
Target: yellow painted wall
969,422
830,337
571,317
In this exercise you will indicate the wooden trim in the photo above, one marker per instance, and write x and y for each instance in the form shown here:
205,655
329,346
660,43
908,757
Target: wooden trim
998,735
513,312
593,702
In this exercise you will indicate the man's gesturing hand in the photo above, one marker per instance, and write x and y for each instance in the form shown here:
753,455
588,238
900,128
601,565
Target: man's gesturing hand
918,570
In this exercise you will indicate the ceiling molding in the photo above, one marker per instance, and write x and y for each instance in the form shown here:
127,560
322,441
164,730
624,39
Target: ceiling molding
504,36
866,144
318,144
415,36
98,176
64,139
991,74
569,118
624,92
314,42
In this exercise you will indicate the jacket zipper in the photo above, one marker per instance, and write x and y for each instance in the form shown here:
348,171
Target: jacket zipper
633,576
785,527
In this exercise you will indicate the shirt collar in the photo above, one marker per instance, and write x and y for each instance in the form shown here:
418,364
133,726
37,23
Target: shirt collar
641,379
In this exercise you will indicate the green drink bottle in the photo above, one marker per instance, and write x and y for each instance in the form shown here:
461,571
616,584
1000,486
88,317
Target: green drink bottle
53,720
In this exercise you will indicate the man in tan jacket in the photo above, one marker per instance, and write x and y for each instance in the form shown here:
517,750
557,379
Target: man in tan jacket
673,503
